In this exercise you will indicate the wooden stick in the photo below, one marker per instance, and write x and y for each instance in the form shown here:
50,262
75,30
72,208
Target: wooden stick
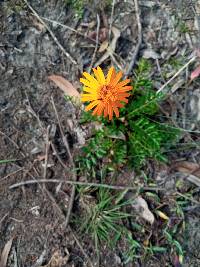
114,187
137,48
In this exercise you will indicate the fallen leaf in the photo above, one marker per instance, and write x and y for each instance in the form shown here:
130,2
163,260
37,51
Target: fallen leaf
194,108
141,206
57,260
65,85
177,85
41,157
119,135
5,253
193,179
89,25
147,3
103,46
111,48
177,261
162,215
195,73
150,53
188,167
190,170
103,34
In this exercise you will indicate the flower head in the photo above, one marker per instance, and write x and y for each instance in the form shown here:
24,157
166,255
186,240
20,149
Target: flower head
106,94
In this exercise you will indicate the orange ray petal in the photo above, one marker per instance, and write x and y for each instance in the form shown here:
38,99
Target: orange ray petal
91,105
101,75
95,110
89,89
123,99
118,104
98,110
97,76
86,82
116,79
88,97
90,78
125,89
113,75
116,111
123,95
110,112
121,84
109,75
106,110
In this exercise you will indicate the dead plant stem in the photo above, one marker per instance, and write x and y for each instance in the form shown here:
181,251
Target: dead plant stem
114,187
111,20
69,28
176,74
96,46
139,42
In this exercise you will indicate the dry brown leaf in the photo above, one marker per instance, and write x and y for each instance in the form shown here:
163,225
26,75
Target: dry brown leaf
111,48
120,136
162,215
103,46
57,260
195,73
193,179
150,53
190,170
141,206
103,34
187,167
65,85
41,157
5,253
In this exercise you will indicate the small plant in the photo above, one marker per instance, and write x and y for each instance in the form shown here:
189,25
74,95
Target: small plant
15,6
77,5
132,251
102,220
128,133
138,137
174,244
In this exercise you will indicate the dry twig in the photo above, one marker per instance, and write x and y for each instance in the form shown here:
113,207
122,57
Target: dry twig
69,28
57,156
81,248
46,152
137,48
111,19
14,143
52,34
10,174
71,162
110,49
96,46
176,74
114,187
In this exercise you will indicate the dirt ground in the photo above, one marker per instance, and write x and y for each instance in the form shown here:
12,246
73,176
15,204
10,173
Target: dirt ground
33,215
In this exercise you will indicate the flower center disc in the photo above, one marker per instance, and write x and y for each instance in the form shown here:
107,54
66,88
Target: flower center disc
107,94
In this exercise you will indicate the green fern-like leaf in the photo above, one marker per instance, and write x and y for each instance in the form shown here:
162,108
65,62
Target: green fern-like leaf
144,141
144,102
119,152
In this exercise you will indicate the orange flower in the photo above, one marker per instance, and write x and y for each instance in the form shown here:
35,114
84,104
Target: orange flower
106,94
